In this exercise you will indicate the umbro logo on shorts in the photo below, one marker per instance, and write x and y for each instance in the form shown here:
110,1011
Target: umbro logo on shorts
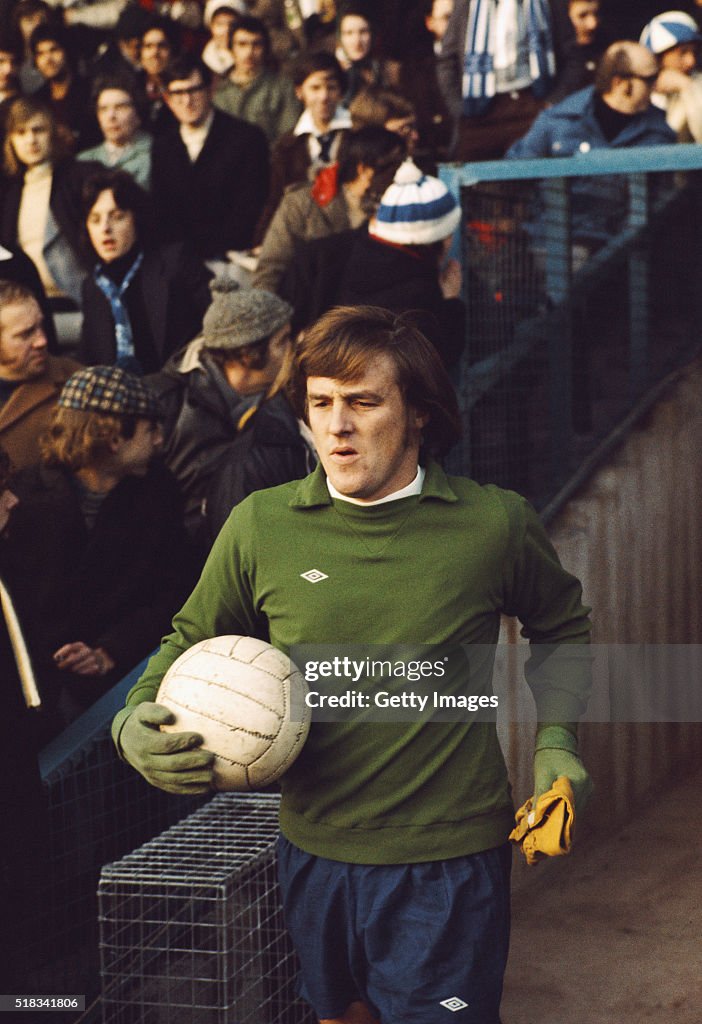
454,1004
314,576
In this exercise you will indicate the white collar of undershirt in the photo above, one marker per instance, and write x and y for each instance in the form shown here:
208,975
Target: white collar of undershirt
306,126
405,492
194,138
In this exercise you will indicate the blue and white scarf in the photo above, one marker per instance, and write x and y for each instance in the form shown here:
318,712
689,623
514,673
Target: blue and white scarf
114,294
481,44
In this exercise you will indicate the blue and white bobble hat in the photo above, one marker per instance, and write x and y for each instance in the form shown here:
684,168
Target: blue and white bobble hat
416,209
672,28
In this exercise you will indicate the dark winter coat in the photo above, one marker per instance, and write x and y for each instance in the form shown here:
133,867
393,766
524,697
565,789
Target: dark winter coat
399,279
215,202
173,291
268,451
76,111
66,205
114,586
23,814
202,414
571,129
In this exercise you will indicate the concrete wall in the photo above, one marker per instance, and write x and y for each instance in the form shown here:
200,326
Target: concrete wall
633,535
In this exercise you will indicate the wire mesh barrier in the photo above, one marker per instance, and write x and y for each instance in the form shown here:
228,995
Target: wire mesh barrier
580,284
97,809
191,930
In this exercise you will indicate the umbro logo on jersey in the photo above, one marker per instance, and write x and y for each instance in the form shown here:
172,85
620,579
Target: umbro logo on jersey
314,576
454,1004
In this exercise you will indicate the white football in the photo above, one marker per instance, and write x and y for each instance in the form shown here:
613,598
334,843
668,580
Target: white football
239,694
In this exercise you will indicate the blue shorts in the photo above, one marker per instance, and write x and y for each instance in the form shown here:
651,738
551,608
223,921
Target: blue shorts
419,943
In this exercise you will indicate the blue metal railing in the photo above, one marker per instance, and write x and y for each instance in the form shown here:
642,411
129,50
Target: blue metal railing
577,261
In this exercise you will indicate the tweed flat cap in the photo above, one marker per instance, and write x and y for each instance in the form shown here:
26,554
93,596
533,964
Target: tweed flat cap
109,390
241,316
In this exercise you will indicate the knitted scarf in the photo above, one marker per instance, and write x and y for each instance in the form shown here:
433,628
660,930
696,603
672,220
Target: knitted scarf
114,294
478,69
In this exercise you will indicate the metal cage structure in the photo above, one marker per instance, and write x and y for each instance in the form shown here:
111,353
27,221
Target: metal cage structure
191,928
580,283
97,809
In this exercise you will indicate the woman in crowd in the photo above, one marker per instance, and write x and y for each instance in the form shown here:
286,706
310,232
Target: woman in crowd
142,302
125,146
41,206
355,51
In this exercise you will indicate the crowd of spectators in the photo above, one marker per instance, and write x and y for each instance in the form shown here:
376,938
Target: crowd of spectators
198,181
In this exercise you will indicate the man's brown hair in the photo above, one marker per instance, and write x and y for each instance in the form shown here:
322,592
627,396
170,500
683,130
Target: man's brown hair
78,439
341,343
12,292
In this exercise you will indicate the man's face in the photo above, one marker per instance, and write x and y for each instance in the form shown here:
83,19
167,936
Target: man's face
190,100
681,58
585,19
320,93
112,230
8,501
633,93
366,435
247,52
355,36
8,71
132,456
243,370
117,116
131,50
437,21
23,345
51,61
155,52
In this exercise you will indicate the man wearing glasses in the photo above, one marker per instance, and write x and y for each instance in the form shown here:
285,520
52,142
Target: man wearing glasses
210,175
615,112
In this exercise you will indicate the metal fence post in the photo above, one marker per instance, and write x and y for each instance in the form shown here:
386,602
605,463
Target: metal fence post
452,176
637,219
556,195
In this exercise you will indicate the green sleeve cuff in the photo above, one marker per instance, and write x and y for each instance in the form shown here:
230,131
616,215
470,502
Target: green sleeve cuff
563,736
117,726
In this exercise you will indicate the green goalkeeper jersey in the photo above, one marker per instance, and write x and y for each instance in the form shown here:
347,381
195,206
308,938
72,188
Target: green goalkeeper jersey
294,566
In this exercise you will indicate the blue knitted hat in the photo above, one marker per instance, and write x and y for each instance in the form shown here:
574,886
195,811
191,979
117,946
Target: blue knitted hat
416,209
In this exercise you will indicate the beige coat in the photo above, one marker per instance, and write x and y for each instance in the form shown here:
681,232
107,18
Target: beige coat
298,218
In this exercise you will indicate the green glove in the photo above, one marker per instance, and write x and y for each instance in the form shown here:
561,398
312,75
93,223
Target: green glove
173,761
556,754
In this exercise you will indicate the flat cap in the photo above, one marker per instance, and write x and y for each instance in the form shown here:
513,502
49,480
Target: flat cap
109,390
